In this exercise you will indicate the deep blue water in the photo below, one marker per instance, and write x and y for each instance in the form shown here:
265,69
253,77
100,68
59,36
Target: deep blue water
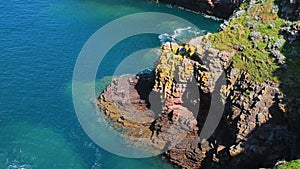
39,44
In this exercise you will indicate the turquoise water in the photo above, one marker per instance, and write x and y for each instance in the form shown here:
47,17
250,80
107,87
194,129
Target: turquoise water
39,43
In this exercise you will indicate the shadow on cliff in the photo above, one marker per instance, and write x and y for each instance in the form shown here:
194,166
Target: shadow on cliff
144,88
289,10
267,143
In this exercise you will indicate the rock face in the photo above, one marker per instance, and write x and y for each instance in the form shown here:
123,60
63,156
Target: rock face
292,32
221,9
160,107
165,111
289,9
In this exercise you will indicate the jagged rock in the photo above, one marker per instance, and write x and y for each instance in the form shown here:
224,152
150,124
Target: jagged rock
272,25
278,43
252,25
235,27
255,36
279,56
291,31
175,115
240,13
234,150
220,148
269,46
255,46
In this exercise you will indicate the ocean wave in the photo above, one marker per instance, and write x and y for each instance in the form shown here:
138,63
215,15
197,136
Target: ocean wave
181,35
212,17
19,165
169,6
98,161
19,161
145,71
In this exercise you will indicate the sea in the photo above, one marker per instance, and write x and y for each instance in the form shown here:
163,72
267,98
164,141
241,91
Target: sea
39,45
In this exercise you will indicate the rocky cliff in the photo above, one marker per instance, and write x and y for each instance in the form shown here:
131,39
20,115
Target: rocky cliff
290,9
258,128
219,8
166,110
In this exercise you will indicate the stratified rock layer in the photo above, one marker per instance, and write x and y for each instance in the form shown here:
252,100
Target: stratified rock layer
157,110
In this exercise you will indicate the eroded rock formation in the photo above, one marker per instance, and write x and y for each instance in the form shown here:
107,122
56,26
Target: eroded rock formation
160,107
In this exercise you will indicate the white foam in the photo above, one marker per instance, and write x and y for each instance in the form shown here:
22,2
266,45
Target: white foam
212,17
98,161
18,165
181,34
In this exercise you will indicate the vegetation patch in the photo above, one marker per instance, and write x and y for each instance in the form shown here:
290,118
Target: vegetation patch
290,165
256,36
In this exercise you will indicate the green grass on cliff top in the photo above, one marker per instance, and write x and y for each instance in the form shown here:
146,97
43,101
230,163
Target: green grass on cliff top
257,61
290,165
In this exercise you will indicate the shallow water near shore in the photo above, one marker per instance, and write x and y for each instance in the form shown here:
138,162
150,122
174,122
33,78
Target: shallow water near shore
40,41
